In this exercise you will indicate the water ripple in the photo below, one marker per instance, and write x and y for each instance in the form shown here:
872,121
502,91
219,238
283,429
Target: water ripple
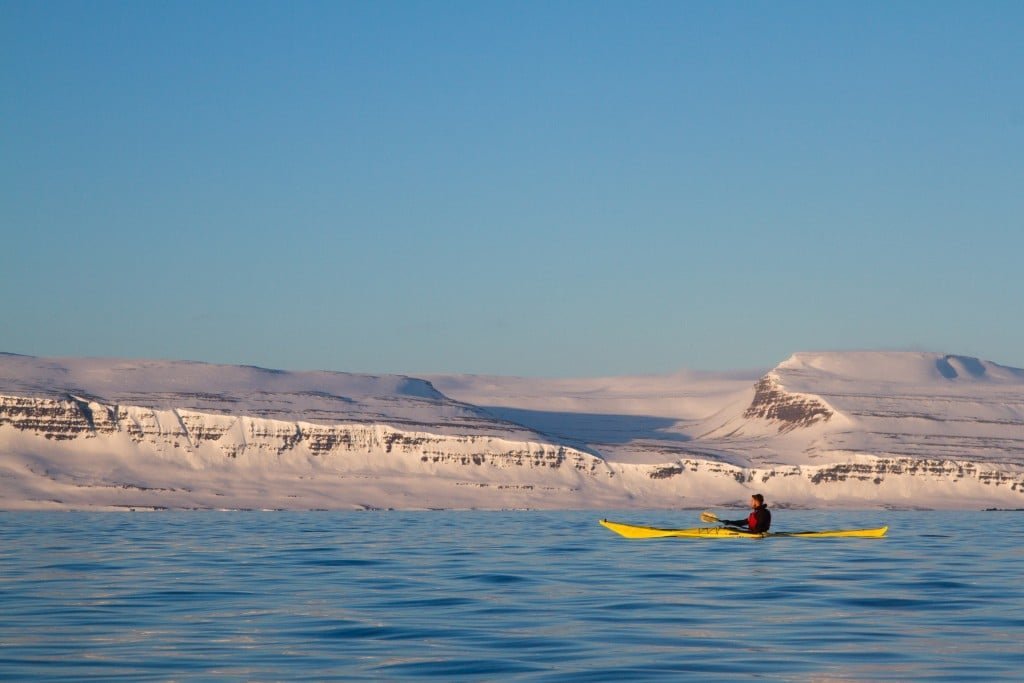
510,596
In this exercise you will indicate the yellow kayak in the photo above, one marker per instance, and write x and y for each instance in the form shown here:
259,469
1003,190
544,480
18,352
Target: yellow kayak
631,531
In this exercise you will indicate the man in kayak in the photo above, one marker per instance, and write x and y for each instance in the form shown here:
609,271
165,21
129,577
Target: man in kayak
759,521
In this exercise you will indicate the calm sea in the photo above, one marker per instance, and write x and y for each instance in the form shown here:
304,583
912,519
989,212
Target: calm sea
529,596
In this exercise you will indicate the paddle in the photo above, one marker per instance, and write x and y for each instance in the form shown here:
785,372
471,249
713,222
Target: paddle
709,518
712,518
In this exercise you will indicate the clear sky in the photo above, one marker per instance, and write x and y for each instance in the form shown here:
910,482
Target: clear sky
531,188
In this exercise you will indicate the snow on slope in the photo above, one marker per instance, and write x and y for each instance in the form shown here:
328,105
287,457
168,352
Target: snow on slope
830,406
316,397
635,419
685,395
871,429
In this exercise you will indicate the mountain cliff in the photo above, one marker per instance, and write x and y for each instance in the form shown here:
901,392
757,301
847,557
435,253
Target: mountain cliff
892,405
855,429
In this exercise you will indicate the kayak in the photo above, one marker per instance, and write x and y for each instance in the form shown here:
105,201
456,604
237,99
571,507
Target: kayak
631,531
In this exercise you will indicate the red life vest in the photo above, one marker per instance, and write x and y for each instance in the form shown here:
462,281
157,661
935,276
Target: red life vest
760,520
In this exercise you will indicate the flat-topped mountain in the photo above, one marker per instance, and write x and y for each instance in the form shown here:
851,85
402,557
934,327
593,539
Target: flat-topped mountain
315,397
849,428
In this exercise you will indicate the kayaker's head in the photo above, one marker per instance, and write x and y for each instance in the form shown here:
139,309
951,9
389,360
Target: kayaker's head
757,500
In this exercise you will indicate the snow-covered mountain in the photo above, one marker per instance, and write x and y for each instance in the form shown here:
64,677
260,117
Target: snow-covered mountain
324,398
854,429
893,405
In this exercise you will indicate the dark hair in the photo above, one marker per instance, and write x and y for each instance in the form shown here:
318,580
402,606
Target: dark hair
759,498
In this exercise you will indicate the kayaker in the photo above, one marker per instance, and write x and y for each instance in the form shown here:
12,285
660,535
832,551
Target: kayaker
759,521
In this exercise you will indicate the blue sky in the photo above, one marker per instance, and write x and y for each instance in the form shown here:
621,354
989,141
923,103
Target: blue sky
556,188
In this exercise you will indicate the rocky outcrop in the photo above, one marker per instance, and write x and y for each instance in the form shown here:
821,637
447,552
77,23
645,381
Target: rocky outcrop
56,420
871,471
161,430
789,410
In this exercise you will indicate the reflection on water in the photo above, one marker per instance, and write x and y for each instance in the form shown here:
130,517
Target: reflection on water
520,596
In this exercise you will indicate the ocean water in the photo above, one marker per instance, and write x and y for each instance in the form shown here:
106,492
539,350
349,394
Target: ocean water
531,596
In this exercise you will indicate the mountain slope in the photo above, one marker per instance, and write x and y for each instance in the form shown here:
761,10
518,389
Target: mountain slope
315,397
829,406
855,429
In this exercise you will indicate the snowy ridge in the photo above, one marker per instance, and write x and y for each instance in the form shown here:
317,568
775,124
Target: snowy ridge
317,397
853,429
916,405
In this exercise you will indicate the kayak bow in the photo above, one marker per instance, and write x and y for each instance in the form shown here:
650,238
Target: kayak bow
632,531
